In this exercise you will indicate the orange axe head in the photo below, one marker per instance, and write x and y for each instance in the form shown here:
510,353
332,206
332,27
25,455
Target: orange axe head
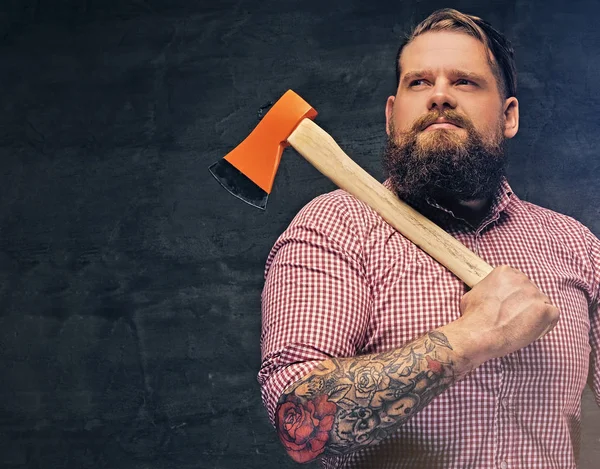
248,171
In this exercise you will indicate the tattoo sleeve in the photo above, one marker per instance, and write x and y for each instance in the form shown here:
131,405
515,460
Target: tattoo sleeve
349,403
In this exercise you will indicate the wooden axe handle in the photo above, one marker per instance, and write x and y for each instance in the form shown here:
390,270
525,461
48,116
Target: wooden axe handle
321,150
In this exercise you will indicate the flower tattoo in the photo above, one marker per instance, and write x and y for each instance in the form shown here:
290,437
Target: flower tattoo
370,378
304,427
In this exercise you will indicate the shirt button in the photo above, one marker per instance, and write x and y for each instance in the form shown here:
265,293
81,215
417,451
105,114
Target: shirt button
503,465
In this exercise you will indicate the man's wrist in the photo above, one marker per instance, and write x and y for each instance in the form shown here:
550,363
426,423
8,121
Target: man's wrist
468,352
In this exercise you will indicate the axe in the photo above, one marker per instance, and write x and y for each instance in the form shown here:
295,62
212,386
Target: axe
248,172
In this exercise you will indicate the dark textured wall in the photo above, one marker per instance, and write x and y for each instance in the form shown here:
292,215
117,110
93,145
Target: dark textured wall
129,280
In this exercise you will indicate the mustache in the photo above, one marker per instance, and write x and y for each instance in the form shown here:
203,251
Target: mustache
451,116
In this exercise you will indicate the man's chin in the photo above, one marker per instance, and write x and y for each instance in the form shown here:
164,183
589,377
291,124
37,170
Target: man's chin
444,139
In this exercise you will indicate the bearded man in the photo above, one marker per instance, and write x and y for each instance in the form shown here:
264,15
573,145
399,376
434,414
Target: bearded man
374,355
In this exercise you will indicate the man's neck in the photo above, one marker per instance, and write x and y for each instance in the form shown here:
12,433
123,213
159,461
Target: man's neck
473,211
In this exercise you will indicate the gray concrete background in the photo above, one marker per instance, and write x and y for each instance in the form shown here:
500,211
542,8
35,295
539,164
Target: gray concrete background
129,281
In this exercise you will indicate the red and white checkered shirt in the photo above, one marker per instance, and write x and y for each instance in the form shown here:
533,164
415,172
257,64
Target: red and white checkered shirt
341,282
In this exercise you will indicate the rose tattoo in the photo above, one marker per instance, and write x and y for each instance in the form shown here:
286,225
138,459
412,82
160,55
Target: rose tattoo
304,427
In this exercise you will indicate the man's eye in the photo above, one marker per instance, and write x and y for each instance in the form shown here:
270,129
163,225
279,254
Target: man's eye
464,81
418,82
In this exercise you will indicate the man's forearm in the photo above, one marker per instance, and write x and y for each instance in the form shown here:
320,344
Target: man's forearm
348,403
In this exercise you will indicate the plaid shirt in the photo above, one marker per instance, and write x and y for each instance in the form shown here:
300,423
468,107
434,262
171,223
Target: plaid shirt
341,282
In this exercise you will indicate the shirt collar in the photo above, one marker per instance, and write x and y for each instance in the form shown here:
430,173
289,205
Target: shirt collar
444,216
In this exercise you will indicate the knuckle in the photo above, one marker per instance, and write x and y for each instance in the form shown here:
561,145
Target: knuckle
552,313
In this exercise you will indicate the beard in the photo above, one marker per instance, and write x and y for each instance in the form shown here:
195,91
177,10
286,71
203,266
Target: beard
443,164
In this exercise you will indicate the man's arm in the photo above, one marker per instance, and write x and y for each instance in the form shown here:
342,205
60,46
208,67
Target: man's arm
594,374
348,403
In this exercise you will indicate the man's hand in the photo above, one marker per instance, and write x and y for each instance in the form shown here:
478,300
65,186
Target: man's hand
501,314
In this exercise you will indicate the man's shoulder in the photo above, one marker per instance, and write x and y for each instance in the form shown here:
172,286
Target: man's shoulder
558,225
337,208
336,220
544,214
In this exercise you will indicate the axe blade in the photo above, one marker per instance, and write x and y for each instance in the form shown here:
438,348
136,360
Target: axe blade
248,171
238,184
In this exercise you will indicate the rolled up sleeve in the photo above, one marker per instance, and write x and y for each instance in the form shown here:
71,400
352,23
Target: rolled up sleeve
594,377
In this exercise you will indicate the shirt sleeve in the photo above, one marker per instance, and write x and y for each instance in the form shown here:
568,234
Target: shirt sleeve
316,300
594,377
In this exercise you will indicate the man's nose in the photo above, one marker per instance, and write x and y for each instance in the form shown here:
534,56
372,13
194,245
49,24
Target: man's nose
441,97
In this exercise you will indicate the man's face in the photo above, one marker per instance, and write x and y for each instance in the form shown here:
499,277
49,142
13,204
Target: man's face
447,122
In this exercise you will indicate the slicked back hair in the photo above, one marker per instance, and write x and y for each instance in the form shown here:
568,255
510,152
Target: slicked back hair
502,61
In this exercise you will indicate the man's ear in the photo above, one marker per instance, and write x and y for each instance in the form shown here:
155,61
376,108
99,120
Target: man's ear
511,117
389,109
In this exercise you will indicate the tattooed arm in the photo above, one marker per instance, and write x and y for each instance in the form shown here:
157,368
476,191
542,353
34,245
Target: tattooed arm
348,403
